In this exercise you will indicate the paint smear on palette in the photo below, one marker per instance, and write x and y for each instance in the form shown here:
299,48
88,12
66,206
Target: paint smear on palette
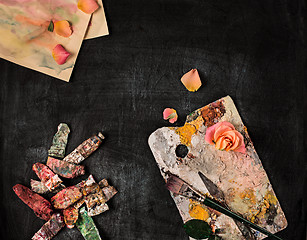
25,39
98,26
240,176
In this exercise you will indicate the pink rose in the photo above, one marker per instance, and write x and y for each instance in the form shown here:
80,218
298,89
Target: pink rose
225,137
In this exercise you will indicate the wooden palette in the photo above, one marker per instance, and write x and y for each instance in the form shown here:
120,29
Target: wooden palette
240,176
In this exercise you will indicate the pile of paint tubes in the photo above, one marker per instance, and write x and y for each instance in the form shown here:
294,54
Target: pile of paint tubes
65,206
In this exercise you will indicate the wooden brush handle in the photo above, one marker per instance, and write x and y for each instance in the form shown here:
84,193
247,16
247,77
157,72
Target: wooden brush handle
208,202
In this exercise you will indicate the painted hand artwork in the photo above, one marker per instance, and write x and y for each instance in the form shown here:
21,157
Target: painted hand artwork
27,39
215,142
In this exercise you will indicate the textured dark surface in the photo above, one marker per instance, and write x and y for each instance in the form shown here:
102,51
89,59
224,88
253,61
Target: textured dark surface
253,51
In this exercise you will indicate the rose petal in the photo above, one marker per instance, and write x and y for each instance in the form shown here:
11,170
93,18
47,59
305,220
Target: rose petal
221,143
209,134
241,149
88,6
60,54
191,80
62,28
170,114
221,130
235,143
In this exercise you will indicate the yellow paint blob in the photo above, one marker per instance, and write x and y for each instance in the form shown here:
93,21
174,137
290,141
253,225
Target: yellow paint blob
188,130
198,211
268,200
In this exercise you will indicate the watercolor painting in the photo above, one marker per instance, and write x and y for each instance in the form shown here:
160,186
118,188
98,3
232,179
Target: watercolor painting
26,40
237,172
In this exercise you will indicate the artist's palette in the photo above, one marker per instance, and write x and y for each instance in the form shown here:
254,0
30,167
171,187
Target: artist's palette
240,176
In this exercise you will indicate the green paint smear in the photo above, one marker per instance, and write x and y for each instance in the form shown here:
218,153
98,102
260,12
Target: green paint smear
73,19
198,229
86,226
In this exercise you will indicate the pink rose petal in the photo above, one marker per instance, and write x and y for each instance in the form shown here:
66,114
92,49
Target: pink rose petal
170,114
210,134
191,80
88,6
241,149
59,54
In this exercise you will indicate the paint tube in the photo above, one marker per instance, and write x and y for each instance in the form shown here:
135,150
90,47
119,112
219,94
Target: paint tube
84,149
86,226
59,141
93,196
49,178
97,209
94,199
95,203
70,216
38,187
65,169
108,191
41,207
50,228
66,197
79,203
88,182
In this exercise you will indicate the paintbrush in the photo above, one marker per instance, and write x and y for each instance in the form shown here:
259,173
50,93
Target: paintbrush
180,187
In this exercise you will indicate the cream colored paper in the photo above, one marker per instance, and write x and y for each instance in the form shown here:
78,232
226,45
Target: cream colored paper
98,25
26,41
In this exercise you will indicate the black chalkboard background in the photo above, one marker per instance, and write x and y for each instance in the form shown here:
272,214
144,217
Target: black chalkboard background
253,51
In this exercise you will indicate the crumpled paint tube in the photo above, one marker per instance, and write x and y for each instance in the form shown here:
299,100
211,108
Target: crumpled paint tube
93,196
50,228
88,182
39,187
97,209
108,191
84,149
49,178
86,226
59,141
70,216
41,207
96,203
94,199
65,169
79,203
66,197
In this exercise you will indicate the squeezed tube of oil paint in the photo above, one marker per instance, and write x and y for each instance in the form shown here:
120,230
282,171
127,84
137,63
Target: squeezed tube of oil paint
50,228
85,149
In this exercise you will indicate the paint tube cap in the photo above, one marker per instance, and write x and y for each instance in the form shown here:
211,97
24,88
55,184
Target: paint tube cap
100,135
